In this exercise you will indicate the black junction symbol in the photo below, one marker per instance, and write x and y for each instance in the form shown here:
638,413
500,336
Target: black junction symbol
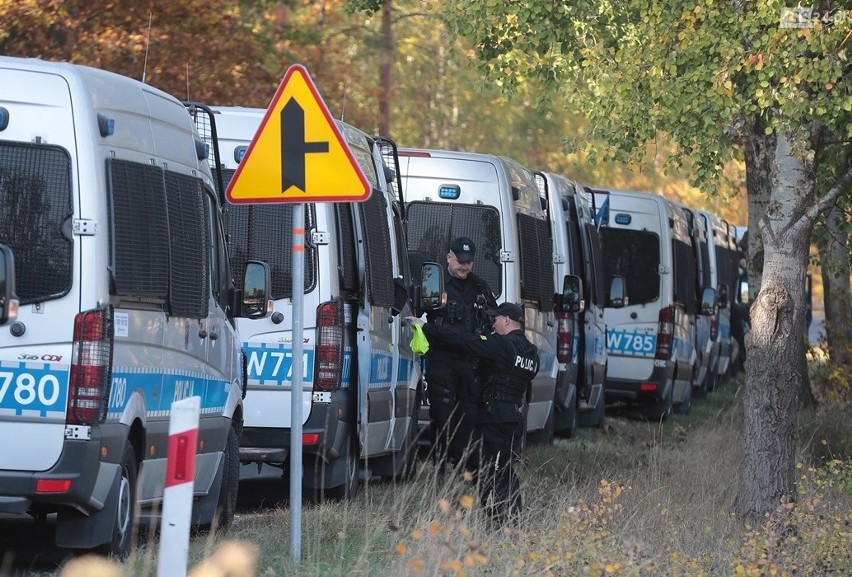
294,148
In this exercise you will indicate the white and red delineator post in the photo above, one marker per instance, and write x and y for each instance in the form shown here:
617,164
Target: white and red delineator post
177,494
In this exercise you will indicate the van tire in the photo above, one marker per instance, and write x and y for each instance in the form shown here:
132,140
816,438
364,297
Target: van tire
229,491
123,539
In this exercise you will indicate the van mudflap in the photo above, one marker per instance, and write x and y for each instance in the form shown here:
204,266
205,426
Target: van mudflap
77,530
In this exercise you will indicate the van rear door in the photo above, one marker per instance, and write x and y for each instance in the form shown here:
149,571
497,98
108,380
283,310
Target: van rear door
37,164
632,247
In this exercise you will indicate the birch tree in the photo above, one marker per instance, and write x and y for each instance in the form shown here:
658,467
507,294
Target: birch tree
765,80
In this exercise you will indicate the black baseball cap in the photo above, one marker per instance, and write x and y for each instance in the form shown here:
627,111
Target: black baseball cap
463,248
510,310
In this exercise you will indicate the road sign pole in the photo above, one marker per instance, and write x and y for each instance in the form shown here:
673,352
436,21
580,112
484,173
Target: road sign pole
298,289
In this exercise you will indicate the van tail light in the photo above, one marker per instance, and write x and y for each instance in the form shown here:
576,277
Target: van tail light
91,368
564,337
665,334
714,327
329,350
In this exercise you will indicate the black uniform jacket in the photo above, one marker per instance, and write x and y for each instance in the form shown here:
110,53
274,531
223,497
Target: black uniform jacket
495,348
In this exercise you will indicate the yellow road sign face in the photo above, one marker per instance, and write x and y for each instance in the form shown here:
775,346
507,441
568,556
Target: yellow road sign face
298,154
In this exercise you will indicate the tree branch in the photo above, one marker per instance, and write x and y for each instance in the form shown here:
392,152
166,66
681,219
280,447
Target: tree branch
831,196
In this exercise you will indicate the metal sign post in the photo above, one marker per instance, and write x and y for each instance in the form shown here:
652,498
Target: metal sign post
296,395
298,155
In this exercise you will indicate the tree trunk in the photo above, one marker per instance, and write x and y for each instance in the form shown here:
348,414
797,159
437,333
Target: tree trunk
836,293
775,344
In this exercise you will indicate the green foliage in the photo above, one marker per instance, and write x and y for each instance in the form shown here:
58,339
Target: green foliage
697,72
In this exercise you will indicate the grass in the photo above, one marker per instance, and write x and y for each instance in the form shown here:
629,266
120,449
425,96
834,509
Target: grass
631,498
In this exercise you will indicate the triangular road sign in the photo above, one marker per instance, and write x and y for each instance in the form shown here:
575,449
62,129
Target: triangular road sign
298,154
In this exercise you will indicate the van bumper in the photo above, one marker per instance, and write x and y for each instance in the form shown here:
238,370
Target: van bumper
323,436
79,463
632,390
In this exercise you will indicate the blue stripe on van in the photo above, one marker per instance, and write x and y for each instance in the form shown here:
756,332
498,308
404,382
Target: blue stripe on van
160,390
381,366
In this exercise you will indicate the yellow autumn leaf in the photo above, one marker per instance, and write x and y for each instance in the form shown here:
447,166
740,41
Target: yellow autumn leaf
416,564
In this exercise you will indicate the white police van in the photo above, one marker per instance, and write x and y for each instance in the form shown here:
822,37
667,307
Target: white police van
108,205
361,381
706,326
648,253
724,267
577,252
495,202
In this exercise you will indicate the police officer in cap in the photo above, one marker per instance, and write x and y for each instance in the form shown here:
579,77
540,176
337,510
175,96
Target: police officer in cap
452,388
509,363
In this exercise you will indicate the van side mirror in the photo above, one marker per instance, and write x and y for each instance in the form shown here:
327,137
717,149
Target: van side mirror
722,296
256,290
708,302
432,295
400,296
570,300
8,299
617,292
742,296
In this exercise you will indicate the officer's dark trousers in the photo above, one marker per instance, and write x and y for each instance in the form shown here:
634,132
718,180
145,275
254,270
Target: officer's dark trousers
453,407
499,484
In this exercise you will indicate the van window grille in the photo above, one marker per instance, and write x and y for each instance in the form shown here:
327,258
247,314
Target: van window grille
432,226
374,221
35,218
635,255
140,230
536,261
265,232
189,246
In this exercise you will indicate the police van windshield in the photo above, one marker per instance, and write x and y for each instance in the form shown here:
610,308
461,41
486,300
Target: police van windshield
35,218
635,255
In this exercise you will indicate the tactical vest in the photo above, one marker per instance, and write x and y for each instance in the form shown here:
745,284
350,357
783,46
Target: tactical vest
511,385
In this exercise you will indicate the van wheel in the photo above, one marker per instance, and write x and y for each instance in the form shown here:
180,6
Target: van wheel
227,506
123,540
349,489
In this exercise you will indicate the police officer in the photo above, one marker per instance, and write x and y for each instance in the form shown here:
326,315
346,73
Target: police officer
510,362
452,388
